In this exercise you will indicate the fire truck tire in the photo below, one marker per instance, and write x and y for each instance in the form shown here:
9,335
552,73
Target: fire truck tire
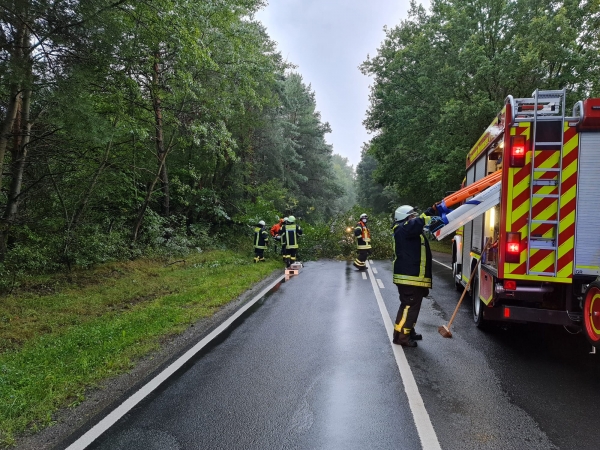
591,313
478,305
456,270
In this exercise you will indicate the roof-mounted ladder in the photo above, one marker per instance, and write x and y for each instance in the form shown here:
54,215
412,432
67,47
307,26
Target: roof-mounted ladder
544,106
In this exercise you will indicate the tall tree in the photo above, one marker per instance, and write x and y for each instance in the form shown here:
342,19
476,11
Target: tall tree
440,77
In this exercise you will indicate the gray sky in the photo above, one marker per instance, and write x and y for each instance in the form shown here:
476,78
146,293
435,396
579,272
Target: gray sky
328,40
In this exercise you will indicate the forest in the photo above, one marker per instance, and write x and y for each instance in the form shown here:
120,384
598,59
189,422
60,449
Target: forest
132,128
442,74
135,127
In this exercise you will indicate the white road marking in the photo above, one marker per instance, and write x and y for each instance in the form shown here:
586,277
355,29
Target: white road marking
371,261
95,432
364,274
442,264
374,269
380,283
429,440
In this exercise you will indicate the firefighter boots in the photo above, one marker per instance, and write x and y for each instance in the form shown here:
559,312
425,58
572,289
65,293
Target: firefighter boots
403,339
415,336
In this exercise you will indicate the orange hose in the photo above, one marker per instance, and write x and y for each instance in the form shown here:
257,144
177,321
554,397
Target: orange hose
472,189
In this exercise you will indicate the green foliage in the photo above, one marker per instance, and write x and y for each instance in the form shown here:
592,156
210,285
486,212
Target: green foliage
335,238
380,199
60,340
157,126
441,76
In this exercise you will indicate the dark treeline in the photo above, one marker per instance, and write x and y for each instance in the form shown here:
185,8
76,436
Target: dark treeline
442,75
129,125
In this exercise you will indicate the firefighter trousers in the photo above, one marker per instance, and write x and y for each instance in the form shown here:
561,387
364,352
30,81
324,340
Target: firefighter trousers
290,256
259,254
361,259
411,298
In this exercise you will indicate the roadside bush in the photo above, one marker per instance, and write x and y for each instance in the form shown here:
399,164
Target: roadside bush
335,239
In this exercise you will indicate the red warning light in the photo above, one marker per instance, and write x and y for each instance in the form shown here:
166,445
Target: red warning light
517,151
506,313
513,247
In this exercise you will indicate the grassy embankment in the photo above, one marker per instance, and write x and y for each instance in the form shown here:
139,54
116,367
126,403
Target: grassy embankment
59,337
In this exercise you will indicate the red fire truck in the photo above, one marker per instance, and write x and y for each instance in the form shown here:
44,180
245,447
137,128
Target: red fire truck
530,216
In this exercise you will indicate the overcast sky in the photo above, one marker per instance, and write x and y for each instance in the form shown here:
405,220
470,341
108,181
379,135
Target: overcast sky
328,40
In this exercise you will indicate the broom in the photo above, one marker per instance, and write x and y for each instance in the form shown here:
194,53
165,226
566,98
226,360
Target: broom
444,330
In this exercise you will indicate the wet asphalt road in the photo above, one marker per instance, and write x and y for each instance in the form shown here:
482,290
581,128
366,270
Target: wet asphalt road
311,367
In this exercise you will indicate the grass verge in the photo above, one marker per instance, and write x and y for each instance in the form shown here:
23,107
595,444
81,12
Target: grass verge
58,343
444,246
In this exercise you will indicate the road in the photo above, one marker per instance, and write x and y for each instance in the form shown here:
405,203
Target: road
311,366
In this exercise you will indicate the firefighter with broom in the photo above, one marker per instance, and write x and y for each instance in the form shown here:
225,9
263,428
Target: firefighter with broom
412,270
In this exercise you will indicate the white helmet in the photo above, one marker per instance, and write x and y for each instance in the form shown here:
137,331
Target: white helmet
291,219
285,219
364,216
261,223
404,212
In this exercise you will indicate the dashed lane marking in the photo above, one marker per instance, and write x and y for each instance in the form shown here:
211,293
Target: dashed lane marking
429,440
374,269
364,274
95,432
380,283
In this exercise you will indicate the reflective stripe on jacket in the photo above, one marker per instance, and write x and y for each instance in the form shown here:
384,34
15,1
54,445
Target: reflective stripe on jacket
363,236
290,235
412,255
261,237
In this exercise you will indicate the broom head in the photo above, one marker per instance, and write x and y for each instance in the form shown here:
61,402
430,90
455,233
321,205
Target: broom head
444,331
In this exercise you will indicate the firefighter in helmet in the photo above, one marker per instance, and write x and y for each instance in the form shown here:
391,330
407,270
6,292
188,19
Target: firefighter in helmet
363,242
275,232
289,238
280,237
261,240
412,270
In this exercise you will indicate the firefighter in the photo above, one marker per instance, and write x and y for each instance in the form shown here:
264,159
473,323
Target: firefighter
275,228
275,232
412,271
289,238
281,238
261,240
363,242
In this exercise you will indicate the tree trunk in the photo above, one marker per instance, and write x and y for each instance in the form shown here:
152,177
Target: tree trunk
8,124
142,211
159,135
22,135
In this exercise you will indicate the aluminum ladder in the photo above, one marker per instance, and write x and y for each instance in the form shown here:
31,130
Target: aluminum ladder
544,106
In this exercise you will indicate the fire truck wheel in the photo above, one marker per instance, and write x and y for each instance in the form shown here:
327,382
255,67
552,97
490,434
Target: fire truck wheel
478,305
591,313
456,269
456,272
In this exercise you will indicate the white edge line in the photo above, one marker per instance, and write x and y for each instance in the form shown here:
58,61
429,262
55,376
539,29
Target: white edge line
429,440
380,283
442,264
97,430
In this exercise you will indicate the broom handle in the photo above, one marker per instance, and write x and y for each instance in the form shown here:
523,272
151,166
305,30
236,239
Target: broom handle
463,294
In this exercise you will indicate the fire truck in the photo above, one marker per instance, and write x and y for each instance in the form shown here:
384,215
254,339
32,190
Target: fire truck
527,216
